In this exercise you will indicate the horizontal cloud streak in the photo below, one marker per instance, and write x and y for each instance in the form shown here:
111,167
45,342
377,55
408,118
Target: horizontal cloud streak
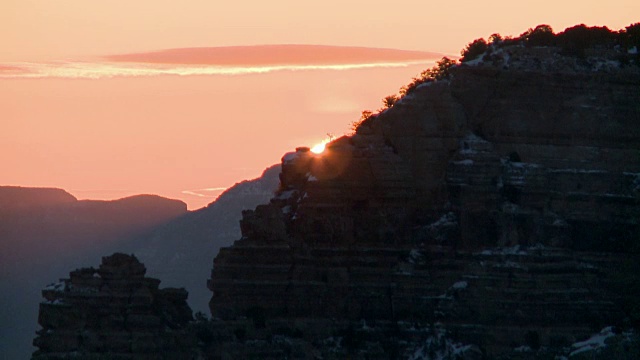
91,70
263,55
203,192
221,61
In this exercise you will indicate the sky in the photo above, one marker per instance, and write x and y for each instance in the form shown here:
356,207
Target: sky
101,128
56,29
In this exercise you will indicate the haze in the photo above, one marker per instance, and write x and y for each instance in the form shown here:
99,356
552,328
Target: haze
81,110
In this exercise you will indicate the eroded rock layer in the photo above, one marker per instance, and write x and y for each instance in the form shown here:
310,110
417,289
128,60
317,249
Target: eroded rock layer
502,203
113,312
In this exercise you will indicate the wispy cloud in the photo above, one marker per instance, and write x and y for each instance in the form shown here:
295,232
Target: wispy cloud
96,70
206,192
220,61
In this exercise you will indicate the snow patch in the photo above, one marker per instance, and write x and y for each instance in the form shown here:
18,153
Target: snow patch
595,342
509,265
559,223
513,250
445,220
289,157
59,286
414,256
54,302
425,84
288,194
465,162
475,62
460,285
578,171
438,347
522,348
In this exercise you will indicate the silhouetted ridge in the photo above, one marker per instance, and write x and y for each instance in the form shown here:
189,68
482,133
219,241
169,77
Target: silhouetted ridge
113,312
23,197
491,210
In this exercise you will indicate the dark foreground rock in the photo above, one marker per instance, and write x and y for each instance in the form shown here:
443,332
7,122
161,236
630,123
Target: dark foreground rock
113,312
495,212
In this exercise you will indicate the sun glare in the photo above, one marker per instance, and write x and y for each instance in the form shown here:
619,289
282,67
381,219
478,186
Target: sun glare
319,148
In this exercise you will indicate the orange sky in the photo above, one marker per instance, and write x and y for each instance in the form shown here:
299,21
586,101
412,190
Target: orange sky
167,134
54,29
113,137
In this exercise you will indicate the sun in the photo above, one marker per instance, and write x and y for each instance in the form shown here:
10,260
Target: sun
319,148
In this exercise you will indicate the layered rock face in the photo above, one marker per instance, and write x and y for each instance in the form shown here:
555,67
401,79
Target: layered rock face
502,203
113,312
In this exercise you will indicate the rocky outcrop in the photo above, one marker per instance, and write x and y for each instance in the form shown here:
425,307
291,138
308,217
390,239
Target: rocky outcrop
17,197
113,312
46,232
181,250
502,203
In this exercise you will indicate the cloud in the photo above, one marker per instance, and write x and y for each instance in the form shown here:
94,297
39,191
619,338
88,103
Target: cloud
273,55
221,61
206,192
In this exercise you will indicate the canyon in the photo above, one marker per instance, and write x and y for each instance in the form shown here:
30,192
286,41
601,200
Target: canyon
492,213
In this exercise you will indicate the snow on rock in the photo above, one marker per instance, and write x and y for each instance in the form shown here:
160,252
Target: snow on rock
445,220
465,162
289,157
439,347
460,285
523,349
595,342
513,250
59,286
635,183
286,194
475,62
415,256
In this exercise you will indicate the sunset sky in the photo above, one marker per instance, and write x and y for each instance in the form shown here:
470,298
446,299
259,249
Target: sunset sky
85,121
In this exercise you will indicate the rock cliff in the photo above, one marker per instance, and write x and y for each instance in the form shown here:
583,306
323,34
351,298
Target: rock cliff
499,206
113,312
45,232
180,251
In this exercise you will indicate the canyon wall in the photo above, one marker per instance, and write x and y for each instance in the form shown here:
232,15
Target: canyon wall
502,204
113,312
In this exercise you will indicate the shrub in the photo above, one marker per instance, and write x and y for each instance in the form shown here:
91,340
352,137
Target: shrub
542,35
441,71
389,101
495,38
631,35
366,115
473,50
575,40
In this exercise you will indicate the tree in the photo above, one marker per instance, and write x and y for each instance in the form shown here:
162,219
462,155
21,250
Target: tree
542,35
473,50
576,39
366,115
495,38
389,101
632,35
441,71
